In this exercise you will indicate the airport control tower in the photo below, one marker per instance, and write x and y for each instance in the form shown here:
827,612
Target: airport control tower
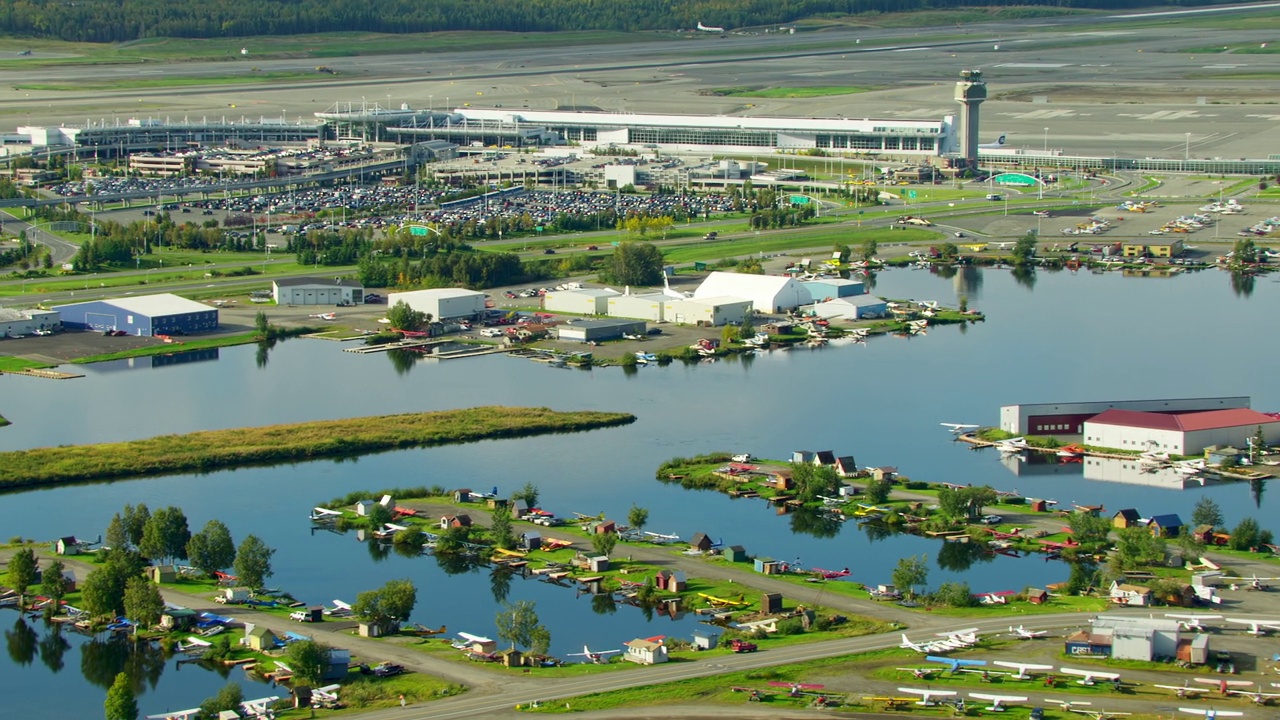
970,92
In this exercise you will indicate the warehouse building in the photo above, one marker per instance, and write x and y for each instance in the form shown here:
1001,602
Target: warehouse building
857,307
824,288
767,293
1068,418
710,311
1186,433
20,323
442,303
1139,638
147,315
591,301
650,306
599,330
317,291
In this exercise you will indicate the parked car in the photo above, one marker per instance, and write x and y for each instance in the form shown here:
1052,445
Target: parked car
992,519
373,298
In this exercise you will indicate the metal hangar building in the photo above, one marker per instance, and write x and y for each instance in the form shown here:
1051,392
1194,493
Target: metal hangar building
1069,418
146,315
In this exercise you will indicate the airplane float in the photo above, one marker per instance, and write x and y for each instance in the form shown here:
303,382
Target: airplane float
1025,634
927,696
723,602
1087,677
1022,668
320,514
1192,622
997,700
599,657
958,428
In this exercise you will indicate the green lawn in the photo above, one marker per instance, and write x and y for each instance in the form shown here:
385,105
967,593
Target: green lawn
13,364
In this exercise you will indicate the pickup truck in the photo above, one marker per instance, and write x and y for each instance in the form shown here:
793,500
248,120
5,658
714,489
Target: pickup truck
742,646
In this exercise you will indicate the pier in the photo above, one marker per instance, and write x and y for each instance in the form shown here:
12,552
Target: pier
42,373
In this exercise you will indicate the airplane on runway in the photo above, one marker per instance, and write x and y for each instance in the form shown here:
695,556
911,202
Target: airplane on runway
1022,668
599,657
325,316
996,700
1211,714
704,28
1088,676
927,696
1025,634
1003,245
1192,622
958,428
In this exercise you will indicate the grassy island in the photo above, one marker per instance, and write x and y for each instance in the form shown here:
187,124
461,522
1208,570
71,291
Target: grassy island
3,421
218,449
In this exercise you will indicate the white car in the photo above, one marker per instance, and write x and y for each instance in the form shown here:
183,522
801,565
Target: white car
491,332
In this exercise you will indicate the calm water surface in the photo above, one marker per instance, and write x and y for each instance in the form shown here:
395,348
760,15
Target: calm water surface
1068,337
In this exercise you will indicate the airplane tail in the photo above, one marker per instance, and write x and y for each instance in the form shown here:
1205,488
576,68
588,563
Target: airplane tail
999,143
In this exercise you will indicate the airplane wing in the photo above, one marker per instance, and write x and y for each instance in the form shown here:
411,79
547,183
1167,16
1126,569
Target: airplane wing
341,605
474,638
1210,712
998,698
176,715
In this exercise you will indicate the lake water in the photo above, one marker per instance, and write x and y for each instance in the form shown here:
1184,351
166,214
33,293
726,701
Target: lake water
1064,337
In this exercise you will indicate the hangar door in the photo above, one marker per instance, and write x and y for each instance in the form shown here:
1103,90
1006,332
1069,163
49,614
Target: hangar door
100,321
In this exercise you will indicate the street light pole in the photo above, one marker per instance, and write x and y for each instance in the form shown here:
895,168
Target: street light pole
1046,140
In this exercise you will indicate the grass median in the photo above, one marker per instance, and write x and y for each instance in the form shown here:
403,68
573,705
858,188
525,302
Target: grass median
219,449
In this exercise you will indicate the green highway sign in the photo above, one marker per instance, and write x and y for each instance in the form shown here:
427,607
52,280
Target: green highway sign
799,199
911,194
417,230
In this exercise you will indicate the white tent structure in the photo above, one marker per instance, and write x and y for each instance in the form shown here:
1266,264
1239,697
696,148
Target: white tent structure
767,293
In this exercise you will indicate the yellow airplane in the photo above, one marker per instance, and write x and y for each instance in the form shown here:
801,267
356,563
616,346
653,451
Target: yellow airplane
510,553
722,602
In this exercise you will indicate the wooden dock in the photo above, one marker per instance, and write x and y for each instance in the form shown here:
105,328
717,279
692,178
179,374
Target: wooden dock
42,373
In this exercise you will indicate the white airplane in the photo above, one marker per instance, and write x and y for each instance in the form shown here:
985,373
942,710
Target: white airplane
1022,668
921,673
320,513
1003,245
328,693
1183,691
996,700
1098,714
1192,622
1088,676
191,714
966,637
958,428
467,639
1012,446
704,28
935,646
599,657
927,696
1258,697
1067,704
325,316
999,143
340,609
1257,628
260,708
1025,634
674,294
1210,713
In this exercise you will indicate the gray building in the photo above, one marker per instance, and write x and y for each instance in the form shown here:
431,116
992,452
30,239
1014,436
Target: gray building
317,291
1069,418
596,330
1139,638
17,323
145,315
442,303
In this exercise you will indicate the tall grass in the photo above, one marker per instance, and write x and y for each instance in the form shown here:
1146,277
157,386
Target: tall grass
218,449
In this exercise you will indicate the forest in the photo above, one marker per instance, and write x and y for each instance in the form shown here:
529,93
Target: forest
105,21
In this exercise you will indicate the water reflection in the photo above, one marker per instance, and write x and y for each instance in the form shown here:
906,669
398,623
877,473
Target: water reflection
816,523
960,556
604,604
402,360
1024,275
1256,489
21,642
53,647
968,282
1242,284
102,658
500,584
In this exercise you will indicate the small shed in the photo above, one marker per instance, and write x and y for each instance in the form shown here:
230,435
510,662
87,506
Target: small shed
670,581
1037,596
455,521
314,614
777,328
363,507
1038,505
66,546
771,603
1088,644
645,652
1125,518
235,595
520,508
512,658
462,495
886,472
765,566
495,503
1165,526
846,467
701,542
705,640
599,563
1094,510
802,457
604,527
161,573
339,665
1194,650
531,540
177,618
736,553
228,715
823,458
259,638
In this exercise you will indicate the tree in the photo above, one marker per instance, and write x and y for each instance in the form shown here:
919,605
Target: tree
261,324
253,561
403,317
121,704
518,624
1088,529
637,518
22,572
390,604
379,515
1207,512
869,249
1136,546
228,698
135,521
309,659
500,527
1024,250
951,503
910,572
540,640
102,592
811,481
603,543
877,491
117,535
212,549
528,493
1245,535
165,535
635,263
142,602
955,594
54,583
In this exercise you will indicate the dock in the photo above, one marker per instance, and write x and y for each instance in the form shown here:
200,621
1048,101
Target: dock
42,373
425,346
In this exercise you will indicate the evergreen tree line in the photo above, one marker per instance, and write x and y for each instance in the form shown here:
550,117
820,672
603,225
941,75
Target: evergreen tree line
124,20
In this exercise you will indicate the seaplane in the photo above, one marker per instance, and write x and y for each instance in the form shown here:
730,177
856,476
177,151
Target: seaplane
319,514
1189,467
965,637
927,697
1002,245
327,695
1184,690
325,316
829,574
1025,634
1070,451
955,664
599,657
466,640
1012,446
339,609
1192,622
1257,628
1087,677
1024,669
958,428
1210,713
1256,696
723,602
260,708
1224,685
997,700
654,537
193,645
707,28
